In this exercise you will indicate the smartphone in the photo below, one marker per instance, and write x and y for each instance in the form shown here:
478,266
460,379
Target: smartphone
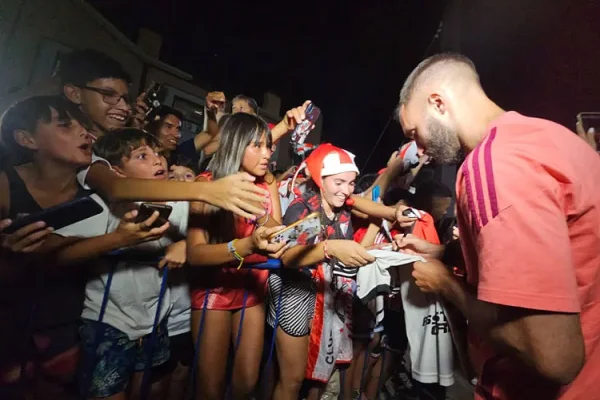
591,120
153,97
59,216
302,130
410,213
300,231
147,209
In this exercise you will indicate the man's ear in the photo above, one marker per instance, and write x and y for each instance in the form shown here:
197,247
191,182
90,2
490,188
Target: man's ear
73,93
25,139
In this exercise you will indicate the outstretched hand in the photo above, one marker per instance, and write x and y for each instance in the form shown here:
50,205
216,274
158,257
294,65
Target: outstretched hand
238,193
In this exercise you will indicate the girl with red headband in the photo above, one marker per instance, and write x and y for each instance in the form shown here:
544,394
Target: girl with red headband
312,309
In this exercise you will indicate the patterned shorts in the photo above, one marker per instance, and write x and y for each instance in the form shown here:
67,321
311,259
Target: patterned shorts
107,369
298,297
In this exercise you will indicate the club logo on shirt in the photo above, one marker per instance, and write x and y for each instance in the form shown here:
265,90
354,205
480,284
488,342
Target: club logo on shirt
344,228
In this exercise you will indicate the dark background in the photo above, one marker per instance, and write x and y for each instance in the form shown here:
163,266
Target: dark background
539,57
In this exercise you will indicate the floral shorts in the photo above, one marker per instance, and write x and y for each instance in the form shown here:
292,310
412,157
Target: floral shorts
110,361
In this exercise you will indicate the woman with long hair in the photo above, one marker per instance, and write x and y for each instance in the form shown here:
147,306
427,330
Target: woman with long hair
311,309
226,299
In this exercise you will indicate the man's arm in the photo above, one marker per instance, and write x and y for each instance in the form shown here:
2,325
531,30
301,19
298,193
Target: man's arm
551,343
527,302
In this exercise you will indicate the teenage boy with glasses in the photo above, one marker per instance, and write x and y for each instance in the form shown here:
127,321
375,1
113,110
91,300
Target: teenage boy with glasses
99,86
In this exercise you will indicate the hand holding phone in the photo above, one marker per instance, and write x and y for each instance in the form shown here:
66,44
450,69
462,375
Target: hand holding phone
59,216
148,209
303,126
25,240
153,97
135,230
300,232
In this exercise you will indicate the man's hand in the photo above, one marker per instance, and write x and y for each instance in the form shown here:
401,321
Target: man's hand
175,256
238,194
295,116
261,244
140,109
26,240
411,244
432,276
134,232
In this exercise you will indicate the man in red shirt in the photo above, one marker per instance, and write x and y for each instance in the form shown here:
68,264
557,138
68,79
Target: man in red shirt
528,205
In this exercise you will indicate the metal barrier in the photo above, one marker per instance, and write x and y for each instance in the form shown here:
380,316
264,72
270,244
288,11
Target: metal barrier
270,264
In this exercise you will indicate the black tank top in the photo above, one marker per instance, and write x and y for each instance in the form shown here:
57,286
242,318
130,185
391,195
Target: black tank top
59,299
21,201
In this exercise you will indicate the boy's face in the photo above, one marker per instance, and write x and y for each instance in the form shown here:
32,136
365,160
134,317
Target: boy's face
181,174
440,206
105,101
143,162
170,132
62,140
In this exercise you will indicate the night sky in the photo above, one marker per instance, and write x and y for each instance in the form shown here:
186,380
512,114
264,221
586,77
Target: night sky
349,58
537,57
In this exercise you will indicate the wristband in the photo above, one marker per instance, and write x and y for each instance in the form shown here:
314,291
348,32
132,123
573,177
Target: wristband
231,249
327,256
263,224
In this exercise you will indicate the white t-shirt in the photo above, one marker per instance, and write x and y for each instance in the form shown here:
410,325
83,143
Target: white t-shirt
134,293
82,174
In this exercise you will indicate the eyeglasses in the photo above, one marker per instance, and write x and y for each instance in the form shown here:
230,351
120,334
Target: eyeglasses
109,96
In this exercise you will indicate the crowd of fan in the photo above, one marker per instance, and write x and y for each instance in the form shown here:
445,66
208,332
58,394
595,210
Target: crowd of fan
125,305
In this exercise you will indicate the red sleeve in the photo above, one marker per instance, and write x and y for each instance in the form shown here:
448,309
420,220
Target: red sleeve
520,233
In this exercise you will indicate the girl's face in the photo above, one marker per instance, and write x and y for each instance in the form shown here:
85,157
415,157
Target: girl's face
337,188
256,157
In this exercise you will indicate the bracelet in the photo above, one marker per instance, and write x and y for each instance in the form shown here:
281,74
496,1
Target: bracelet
327,256
232,250
263,224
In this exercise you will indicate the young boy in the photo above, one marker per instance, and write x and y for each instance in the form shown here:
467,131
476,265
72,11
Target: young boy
116,349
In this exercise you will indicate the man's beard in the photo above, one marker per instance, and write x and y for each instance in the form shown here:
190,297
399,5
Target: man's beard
443,145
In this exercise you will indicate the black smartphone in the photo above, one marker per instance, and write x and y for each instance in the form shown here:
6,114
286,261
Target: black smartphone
59,216
153,97
409,212
147,209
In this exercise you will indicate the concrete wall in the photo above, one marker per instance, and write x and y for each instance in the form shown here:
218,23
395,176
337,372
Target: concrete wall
31,29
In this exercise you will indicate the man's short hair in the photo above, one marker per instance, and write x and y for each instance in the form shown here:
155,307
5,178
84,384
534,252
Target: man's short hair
117,144
163,111
251,102
25,115
426,70
81,67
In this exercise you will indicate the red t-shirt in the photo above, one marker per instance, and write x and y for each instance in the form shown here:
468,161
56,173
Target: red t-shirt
226,287
529,219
